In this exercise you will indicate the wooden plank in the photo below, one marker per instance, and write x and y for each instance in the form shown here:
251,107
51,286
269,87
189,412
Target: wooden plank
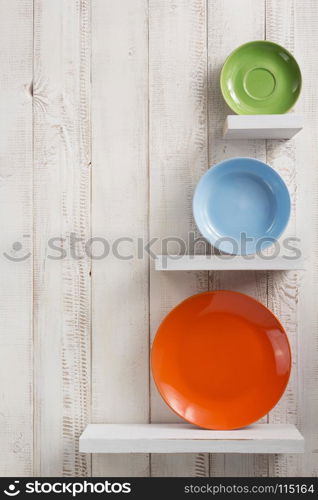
178,157
16,388
283,289
61,209
222,262
262,126
228,28
120,321
306,163
185,438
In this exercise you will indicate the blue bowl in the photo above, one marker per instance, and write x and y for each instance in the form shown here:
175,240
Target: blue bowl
241,206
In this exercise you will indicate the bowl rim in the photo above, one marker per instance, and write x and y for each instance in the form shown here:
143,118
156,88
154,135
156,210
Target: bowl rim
266,42
250,160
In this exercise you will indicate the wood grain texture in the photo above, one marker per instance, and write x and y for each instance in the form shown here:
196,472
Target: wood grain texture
178,157
157,116
120,321
16,374
227,29
306,161
283,287
61,92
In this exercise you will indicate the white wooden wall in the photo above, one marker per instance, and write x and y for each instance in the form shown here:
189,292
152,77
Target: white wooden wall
110,112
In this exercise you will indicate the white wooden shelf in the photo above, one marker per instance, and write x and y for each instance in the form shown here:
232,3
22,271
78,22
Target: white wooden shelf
185,438
225,263
262,126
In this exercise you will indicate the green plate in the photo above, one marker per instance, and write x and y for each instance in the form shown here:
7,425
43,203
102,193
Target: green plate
260,77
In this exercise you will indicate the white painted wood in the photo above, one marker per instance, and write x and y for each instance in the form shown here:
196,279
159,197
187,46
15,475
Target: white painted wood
184,438
228,28
262,126
283,290
187,47
120,320
306,162
178,157
61,208
226,263
16,389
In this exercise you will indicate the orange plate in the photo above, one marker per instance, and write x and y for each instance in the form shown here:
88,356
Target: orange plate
221,360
